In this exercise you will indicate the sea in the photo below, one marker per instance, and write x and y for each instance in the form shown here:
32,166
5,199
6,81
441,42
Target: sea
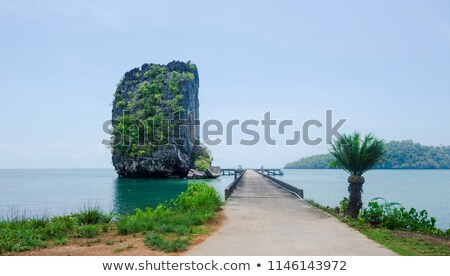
420,189
51,192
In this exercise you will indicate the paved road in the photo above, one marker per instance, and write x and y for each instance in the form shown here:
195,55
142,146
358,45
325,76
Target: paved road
263,219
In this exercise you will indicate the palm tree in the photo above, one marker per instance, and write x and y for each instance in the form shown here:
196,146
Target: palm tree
356,156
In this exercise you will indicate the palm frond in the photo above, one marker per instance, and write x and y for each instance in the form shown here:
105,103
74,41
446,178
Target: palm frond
357,155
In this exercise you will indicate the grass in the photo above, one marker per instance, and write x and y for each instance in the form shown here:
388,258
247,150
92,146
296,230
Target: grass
110,242
404,243
86,231
168,227
165,243
21,234
92,215
121,249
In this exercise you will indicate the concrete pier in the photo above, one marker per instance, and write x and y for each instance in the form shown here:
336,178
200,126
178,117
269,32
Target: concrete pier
264,219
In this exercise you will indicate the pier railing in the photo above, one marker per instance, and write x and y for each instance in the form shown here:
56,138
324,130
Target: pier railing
270,171
229,190
262,170
294,190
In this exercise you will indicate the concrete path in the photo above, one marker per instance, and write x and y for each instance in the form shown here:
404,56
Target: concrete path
263,219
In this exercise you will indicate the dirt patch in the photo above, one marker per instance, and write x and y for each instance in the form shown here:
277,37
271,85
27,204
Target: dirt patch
112,244
211,227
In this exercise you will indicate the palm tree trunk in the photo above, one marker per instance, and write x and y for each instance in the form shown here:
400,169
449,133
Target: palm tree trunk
354,199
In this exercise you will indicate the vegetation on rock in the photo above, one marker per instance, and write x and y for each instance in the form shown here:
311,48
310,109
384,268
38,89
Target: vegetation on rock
202,157
144,123
155,110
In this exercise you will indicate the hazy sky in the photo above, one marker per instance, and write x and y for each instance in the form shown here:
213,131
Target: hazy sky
383,65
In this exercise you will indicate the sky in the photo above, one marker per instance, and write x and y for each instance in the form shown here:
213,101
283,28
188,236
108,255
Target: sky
384,66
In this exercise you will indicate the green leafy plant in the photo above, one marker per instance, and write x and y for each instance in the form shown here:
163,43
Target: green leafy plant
394,216
403,242
158,242
92,215
174,221
121,104
356,155
202,157
195,206
202,164
86,231
151,102
343,205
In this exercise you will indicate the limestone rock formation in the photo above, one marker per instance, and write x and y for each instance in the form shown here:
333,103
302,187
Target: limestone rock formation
155,113
196,174
213,172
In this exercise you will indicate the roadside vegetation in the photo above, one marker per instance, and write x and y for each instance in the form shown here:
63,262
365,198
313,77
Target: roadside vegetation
406,232
168,227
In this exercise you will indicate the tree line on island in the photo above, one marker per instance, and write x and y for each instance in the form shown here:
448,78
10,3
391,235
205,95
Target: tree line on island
399,155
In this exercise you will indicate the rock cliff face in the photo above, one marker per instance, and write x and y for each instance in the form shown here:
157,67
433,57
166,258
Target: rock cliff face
155,112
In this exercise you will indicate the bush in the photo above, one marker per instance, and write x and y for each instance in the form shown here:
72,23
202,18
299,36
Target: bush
198,197
343,205
20,235
121,104
202,164
172,223
86,231
158,242
58,227
202,157
193,207
393,216
143,221
92,215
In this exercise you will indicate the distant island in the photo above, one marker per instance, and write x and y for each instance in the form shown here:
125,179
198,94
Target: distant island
400,155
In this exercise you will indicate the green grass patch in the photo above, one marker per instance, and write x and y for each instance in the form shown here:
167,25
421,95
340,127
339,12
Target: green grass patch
92,215
121,249
168,227
21,234
402,242
110,242
86,231
180,218
166,244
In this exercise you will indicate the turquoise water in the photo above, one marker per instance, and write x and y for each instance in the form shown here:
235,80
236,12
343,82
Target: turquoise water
58,192
421,189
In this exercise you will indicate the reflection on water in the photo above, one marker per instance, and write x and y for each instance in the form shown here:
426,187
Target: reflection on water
56,192
132,193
